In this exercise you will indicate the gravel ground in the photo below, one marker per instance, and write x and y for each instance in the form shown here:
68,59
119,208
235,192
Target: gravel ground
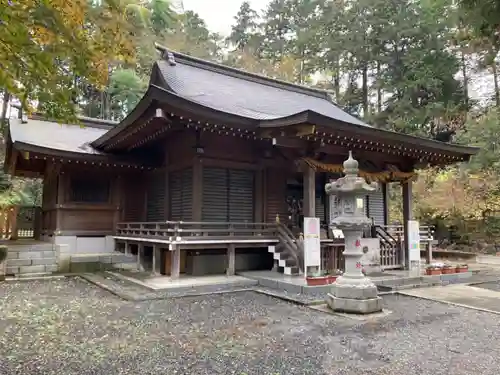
73,327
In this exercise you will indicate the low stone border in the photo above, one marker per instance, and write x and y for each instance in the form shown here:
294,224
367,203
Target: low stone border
451,303
137,293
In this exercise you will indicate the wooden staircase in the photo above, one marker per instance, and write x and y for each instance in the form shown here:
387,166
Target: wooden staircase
390,248
289,252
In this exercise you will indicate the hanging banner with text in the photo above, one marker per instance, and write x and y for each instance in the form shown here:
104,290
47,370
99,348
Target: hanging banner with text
414,243
312,246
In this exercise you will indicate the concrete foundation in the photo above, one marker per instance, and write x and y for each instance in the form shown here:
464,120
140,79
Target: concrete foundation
354,306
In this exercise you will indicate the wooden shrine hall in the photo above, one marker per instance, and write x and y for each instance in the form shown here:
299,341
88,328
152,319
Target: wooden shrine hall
212,168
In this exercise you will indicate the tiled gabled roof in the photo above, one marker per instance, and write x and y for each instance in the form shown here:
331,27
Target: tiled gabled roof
241,93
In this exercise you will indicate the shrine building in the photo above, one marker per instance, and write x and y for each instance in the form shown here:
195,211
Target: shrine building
212,168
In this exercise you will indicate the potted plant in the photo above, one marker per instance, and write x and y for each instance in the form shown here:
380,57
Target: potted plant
433,270
3,258
447,269
461,268
334,275
318,278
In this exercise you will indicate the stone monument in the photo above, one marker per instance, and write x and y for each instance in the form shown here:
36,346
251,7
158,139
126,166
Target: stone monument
353,292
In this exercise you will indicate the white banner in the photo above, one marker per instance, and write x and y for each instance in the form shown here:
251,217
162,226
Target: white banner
414,243
312,246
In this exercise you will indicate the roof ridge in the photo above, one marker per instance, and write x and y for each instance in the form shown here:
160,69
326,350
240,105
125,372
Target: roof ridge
91,122
240,73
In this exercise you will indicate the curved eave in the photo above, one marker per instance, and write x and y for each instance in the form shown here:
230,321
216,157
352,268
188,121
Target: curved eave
168,99
70,155
156,95
381,134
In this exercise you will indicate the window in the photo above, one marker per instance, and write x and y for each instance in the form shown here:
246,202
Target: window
83,190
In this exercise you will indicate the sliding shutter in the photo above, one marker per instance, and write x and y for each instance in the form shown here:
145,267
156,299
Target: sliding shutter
320,207
181,194
276,191
376,207
156,197
215,194
241,188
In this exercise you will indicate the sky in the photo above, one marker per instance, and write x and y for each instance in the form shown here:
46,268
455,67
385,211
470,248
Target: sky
218,14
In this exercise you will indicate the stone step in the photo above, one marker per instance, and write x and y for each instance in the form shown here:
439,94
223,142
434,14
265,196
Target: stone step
34,275
34,247
291,270
31,262
31,269
31,255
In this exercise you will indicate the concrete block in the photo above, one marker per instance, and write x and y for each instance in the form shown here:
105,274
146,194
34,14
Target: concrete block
449,277
49,254
19,262
268,283
431,278
12,254
64,263
85,259
51,268
31,269
347,291
90,245
42,247
106,259
31,255
68,241
89,267
410,280
44,262
464,275
290,288
123,258
109,244
355,306
22,249
316,289
12,270
63,249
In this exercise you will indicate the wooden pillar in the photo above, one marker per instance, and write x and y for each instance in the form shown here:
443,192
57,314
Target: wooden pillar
156,259
61,185
259,196
231,260
385,194
428,257
309,205
197,189
140,249
117,201
407,215
264,195
153,266
175,263
166,209
127,248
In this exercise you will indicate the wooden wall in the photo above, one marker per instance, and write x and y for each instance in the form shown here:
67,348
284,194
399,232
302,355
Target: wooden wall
62,216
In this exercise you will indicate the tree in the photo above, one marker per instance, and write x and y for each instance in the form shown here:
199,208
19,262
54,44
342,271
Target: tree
125,89
483,17
163,18
243,32
45,46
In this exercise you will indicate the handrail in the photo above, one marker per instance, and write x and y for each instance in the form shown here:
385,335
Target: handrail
383,233
426,231
177,229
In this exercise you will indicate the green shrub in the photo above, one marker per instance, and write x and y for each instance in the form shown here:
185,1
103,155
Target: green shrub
3,253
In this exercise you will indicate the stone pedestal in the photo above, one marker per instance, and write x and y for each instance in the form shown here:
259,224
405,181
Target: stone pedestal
353,292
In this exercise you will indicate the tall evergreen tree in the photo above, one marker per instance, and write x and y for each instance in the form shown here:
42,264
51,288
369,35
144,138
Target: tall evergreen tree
244,31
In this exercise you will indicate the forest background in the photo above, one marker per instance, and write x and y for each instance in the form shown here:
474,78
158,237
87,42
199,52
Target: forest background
403,65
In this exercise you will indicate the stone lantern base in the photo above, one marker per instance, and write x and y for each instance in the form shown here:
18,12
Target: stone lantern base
356,296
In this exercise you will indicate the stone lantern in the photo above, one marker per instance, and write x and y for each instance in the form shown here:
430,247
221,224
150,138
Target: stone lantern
353,292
